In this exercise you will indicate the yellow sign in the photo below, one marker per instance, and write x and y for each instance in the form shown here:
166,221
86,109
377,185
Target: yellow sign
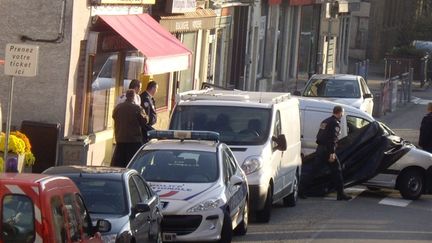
127,2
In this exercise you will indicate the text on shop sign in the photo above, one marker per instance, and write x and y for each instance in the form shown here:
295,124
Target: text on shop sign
21,60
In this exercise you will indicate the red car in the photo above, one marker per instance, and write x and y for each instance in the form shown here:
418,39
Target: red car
43,208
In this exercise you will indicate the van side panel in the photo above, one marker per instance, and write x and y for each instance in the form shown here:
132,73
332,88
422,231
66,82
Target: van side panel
311,120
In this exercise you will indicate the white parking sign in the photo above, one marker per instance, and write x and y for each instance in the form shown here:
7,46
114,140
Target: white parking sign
21,60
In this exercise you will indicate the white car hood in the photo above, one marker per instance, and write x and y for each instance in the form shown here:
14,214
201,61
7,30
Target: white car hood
178,197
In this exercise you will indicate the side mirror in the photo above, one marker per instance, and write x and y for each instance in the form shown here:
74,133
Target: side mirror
141,208
280,141
367,96
236,180
297,93
103,226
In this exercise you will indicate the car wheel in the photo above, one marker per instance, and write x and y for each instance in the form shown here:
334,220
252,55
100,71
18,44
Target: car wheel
264,214
291,199
241,229
410,184
227,232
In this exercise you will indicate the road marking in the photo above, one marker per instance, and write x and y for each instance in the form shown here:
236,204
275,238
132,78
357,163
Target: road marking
419,101
397,202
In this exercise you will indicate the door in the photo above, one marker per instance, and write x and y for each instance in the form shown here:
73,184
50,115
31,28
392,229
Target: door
154,216
140,223
367,97
228,172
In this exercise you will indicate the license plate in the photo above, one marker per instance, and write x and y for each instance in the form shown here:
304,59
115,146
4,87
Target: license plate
169,236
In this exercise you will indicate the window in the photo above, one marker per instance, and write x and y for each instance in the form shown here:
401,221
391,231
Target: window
355,123
364,86
143,190
187,77
277,129
134,193
83,216
332,88
59,220
177,166
236,125
75,223
17,219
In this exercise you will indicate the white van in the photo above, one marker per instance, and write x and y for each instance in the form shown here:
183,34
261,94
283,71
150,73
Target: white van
411,174
263,131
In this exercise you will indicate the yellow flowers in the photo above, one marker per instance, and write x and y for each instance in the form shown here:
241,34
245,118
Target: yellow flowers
1,164
19,144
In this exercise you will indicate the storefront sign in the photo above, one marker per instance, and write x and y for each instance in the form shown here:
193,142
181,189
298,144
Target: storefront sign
21,60
129,2
180,6
201,19
116,10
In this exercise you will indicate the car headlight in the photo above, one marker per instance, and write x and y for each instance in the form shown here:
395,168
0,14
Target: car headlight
110,238
252,164
206,205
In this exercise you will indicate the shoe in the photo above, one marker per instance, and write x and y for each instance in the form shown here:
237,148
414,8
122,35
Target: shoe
344,197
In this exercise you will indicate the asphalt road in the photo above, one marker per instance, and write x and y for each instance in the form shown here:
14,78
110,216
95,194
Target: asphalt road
372,216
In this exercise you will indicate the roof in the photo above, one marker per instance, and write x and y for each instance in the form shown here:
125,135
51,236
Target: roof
335,76
94,171
174,144
23,177
262,98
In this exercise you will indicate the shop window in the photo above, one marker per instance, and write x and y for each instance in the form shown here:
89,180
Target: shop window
17,222
161,96
102,87
186,79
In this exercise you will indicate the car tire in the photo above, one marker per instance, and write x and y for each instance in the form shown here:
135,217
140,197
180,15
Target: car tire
227,232
241,228
291,199
410,184
264,214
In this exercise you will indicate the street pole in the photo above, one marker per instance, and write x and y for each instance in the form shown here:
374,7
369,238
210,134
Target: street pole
8,121
328,43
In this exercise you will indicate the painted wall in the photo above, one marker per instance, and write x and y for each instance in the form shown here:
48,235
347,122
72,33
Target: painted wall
42,98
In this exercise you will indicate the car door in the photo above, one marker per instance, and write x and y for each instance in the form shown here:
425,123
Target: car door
367,97
149,197
233,190
139,223
277,169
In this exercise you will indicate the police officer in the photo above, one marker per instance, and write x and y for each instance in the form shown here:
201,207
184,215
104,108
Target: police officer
327,139
425,138
148,103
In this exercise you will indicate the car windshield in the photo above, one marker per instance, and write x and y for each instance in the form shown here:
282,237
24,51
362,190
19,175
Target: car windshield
102,196
176,166
336,88
236,125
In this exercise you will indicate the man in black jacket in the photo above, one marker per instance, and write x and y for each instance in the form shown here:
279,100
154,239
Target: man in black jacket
149,105
425,138
327,139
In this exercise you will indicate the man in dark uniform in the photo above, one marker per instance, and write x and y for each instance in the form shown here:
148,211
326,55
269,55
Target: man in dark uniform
148,103
129,120
425,138
327,139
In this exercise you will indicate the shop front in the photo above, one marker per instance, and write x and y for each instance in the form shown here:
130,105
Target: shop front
121,48
193,30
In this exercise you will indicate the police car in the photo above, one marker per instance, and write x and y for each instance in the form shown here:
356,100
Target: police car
203,190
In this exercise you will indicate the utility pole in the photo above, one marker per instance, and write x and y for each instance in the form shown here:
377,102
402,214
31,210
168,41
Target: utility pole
333,9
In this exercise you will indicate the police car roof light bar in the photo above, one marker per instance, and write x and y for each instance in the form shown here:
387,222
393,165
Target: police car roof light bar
184,135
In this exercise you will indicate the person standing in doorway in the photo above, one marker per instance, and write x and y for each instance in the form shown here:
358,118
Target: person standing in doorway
425,138
129,120
135,84
149,106
327,139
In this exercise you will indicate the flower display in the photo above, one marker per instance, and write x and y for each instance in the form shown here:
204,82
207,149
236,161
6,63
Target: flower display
19,144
